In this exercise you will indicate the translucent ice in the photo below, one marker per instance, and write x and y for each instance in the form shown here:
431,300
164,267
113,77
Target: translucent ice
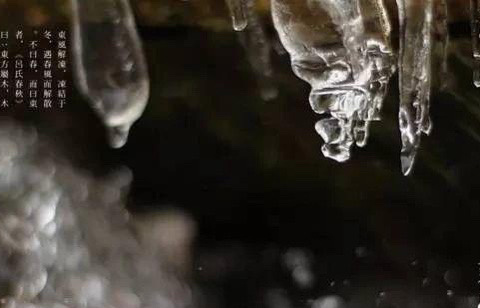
414,76
475,27
441,30
238,12
342,49
110,65
258,49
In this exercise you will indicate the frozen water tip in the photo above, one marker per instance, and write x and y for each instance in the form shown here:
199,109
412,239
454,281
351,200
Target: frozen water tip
476,78
238,13
407,160
338,152
118,136
239,25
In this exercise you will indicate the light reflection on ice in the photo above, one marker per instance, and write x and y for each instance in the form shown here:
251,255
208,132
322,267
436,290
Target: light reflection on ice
342,49
110,67
415,73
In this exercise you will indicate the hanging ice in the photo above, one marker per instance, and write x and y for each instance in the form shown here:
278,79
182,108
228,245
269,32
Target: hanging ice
441,31
110,65
238,12
475,27
258,48
414,76
341,48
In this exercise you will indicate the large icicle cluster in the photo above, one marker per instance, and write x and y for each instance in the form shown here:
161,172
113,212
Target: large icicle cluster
111,70
341,48
348,63
349,70
66,240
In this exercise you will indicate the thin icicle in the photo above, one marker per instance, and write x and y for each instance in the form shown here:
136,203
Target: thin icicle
238,13
443,39
475,28
111,70
414,76
258,49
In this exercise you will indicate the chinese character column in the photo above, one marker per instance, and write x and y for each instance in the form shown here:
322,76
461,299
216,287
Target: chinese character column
62,67
4,70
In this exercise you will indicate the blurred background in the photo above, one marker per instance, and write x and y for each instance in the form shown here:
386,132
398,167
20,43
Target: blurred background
275,223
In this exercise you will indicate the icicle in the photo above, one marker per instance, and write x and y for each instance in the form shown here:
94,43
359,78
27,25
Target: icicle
475,27
348,64
414,76
441,30
258,48
238,13
111,69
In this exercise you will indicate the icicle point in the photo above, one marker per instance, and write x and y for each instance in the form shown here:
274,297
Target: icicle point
407,160
118,135
238,13
111,70
476,77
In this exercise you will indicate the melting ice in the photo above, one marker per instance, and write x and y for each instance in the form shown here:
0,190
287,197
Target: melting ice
342,49
111,70
414,76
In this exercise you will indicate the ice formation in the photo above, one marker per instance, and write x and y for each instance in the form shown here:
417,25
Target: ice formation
111,70
238,12
475,27
258,48
342,49
66,239
441,29
415,54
